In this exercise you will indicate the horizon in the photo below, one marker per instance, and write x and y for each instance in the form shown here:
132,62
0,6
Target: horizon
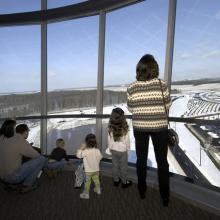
119,85
130,32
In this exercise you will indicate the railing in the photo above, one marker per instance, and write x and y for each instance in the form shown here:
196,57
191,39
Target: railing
191,165
191,120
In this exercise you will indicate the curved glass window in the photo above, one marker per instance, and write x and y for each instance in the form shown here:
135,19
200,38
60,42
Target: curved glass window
72,79
196,59
196,83
72,66
20,71
132,32
15,6
61,3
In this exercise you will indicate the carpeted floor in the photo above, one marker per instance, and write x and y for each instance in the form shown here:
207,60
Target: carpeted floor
57,199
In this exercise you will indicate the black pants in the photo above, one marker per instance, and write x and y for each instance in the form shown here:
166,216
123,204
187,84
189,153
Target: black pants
159,140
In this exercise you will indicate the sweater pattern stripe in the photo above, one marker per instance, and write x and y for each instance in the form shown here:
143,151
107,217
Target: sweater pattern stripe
145,102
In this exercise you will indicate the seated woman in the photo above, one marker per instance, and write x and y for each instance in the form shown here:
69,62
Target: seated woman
58,158
12,147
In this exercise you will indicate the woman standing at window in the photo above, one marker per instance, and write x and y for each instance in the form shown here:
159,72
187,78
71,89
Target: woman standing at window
145,102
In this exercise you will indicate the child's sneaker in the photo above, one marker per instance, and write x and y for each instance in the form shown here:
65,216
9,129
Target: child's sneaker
116,183
97,190
127,184
84,195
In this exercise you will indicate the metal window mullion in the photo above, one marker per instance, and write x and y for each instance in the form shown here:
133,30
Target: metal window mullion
43,128
100,77
170,42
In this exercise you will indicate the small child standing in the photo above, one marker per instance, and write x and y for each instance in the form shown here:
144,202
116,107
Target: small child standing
91,158
57,159
119,145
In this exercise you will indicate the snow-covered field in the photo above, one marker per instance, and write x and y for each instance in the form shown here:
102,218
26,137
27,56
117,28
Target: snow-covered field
197,88
191,146
73,130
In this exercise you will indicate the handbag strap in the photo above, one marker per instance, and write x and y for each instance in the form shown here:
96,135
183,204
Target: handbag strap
166,112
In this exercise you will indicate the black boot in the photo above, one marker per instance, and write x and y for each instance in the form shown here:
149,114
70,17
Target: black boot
165,202
142,191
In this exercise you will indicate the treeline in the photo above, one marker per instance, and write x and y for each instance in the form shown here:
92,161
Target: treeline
30,104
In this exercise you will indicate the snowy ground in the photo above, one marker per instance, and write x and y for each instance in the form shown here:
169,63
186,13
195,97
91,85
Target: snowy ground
191,146
197,88
73,130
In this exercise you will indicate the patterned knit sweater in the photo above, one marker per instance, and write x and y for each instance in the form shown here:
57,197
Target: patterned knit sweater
145,102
